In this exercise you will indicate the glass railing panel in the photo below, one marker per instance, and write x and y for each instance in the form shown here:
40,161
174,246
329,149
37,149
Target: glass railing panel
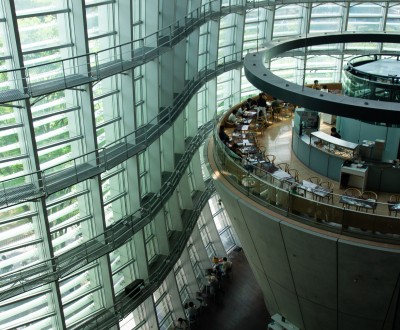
361,217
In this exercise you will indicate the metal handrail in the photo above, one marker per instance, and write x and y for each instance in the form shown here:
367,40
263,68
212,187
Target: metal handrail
43,272
111,316
319,212
203,14
169,112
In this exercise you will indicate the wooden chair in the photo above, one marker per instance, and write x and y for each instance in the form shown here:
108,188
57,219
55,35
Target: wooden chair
294,173
259,129
270,158
393,199
351,192
327,185
262,149
314,179
262,122
371,196
283,166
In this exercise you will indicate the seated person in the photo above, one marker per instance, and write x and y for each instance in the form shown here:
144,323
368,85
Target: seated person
248,103
239,112
316,85
222,135
324,88
334,133
232,117
294,191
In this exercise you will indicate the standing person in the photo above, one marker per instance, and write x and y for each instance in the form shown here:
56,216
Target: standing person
226,265
275,105
192,312
262,104
334,133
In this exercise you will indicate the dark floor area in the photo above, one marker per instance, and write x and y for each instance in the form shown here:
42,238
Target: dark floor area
239,305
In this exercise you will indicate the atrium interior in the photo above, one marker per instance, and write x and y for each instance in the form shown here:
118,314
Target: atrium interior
107,110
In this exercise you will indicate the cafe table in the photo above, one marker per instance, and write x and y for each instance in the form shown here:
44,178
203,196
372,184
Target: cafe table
282,177
359,203
316,190
242,128
394,207
249,113
248,150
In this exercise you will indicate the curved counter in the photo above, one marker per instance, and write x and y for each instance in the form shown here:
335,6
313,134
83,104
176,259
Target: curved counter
312,272
381,176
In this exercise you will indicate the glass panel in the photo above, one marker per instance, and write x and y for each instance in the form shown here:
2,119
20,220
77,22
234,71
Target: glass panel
99,19
78,303
29,7
16,314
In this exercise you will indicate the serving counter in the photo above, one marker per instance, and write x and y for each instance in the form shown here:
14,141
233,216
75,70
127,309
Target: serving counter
320,156
325,155
332,145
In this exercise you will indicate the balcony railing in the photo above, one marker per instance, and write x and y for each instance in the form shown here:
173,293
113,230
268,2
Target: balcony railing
107,318
46,78
115,236
332,216
43,183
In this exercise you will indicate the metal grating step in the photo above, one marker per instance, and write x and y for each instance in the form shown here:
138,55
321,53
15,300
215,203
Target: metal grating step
53,85
146,134
140,55
25,280
12,95
70,176
118,153
77,257
111,68
18,194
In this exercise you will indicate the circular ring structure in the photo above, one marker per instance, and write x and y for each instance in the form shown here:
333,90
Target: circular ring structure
340,105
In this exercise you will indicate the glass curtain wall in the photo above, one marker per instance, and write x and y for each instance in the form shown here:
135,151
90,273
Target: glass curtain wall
73,101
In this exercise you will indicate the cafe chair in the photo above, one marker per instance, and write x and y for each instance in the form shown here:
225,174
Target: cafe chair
351,192
314,179
270,158
393,200
262,148
369,196
259,129
327,185
283,166
294,173
262,122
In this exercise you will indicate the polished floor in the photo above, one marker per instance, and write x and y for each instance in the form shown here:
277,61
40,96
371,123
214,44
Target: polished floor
277,139
239,305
